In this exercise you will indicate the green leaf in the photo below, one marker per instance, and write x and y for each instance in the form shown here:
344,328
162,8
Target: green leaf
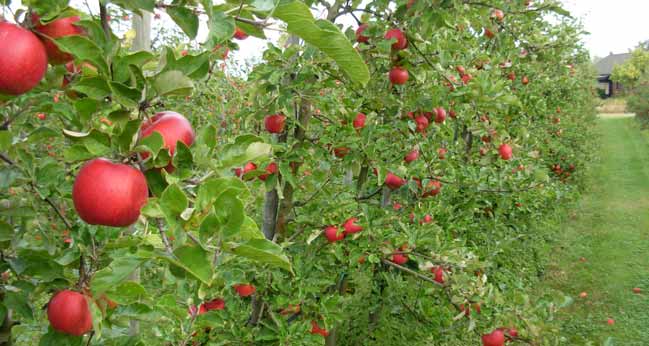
151,143
325,36
124,95
194,260
121,72
210,190
84,49
94,87
136,5
221,28
264,251
229,209
250,230
115,273
127,138
5,140
245,148
54,338
127,293
6,231
172,83
76,152
185,18
182,156
152,208
173,201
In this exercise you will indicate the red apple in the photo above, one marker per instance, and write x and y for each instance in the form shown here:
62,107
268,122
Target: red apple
427,219
412,155
461,70
332,234
440,115
488,33
173,127
583,295
394,182
466,79
441,153
397,34
53,30
495,338
422,123
275,123
23,60
498,14
351,227
439,274
398,75
610,321
359,34
432,188
315,329
341,152
525,80
399,258
240,34
244,290
270,169
359,121
41,116
452,114
511,333
511,76
214,304
109,194
637,290
68,313
248,167
396,206
505,151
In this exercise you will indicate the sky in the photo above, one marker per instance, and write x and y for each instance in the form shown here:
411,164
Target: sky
614,26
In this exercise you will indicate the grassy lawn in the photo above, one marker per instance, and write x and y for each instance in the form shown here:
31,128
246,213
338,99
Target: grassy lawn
604,247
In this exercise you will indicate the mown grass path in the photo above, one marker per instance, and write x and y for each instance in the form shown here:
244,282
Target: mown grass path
604,247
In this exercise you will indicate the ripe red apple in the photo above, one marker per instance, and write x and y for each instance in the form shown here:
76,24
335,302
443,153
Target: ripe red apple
412,155
583,295
525,80
351,227
359,34
275,123
422,123
244,290
332,234
427,219
441,153
173,127
41,116
396,206
214,304
68,313
394,182
610,321
637,290
440,115
511,76
270,169
23,61
341,152
57,29
240,34
397,34
466,79
109,194
315,329
432,188
248,167
461,70
359,121
498,14
495,338
439,274
512,333
398,75
399,258
452,114
488,33
505,151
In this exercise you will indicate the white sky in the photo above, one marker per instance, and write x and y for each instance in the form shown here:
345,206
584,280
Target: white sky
614,26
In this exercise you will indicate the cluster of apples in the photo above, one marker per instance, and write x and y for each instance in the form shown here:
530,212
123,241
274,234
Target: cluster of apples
499,336
350,226
398,75
243,290
23,62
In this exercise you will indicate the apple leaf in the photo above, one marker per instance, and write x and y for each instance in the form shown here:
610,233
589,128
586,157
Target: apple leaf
173,201
94,87
325,36
115,273
84,49
210,190
194,260
171,83
185,18
263,251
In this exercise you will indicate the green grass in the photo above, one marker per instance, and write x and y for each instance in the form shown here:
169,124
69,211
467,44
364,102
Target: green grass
610,229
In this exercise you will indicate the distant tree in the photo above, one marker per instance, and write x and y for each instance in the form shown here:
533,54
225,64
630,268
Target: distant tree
633,71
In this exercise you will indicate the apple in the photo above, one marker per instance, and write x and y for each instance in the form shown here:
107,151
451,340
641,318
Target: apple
511,76
432,188
271,168
610,321
525,80
173,127
248,167
439,274
351,227
315,329
488,33
440,114
461,70
422,123
427,219
583,295
396,206
359,121
398,75
466,79
332,234
109,194
505,152
41,116
53,30
412,155
275,123
495,338
23,61
68,313
498,14
399,258
359,34
240,34
441,153
397,34
394,182
511,333
452,114
637,290
244,290
214,304
341,152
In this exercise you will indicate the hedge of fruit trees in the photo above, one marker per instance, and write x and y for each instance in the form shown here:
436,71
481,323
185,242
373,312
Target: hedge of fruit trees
388,183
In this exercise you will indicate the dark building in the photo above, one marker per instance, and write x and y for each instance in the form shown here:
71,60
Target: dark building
604,69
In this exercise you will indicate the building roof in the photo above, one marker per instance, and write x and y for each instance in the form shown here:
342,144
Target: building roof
605,66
